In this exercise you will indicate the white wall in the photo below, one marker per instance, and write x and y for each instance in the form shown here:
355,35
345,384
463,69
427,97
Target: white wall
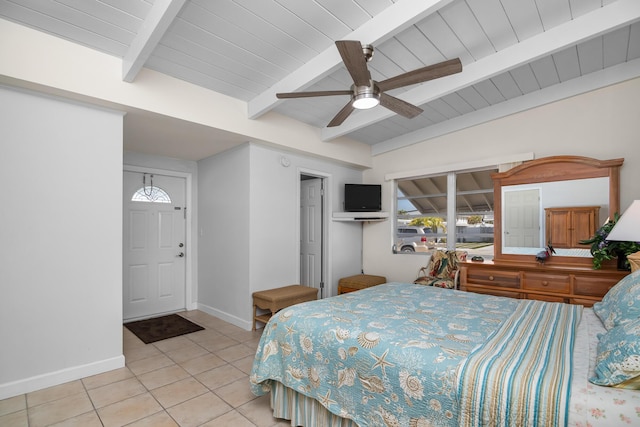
101,82
602,124
61,234
249,227
275,211
224,235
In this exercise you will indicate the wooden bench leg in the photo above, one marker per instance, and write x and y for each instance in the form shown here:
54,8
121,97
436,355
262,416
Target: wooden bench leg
255,312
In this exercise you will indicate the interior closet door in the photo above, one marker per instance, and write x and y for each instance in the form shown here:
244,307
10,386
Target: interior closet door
311,233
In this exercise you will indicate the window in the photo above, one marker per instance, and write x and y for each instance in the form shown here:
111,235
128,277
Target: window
452,210
151,194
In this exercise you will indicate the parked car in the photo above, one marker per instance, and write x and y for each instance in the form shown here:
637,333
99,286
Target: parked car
410,232
410,247
411,239
432,237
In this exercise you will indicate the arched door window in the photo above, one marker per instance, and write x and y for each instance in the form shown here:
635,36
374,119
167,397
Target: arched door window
151,194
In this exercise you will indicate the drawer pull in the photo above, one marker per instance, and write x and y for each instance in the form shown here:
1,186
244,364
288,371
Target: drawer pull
490,277
545,283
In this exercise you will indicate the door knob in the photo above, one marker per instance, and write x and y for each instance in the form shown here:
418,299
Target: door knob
181,254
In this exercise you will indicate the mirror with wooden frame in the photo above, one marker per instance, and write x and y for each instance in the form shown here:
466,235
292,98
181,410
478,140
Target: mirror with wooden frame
558,200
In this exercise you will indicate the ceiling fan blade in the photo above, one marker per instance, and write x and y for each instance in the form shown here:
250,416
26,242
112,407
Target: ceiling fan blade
399,106
310,94
342,115
354,60
423,74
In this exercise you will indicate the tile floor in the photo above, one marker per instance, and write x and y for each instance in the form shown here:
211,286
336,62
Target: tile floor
199,379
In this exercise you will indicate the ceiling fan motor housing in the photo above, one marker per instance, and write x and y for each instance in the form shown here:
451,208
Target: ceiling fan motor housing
367,50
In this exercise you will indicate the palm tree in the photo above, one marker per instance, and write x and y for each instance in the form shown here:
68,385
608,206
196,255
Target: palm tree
434,223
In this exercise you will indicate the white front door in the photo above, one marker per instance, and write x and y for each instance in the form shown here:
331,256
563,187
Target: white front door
522,228
311,233
154,247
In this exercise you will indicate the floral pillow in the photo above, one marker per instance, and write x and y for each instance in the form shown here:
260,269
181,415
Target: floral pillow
618,359
622,303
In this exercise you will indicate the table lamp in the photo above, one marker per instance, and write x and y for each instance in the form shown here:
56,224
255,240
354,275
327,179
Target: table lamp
627,229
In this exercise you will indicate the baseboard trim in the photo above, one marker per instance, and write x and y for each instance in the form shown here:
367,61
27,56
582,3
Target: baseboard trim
241,323
62,376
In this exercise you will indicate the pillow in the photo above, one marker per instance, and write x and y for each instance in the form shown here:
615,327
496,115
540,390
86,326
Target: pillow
439,264
622,303
618,358
442,269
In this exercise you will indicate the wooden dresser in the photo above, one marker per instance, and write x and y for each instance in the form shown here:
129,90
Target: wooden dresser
557,283
569,279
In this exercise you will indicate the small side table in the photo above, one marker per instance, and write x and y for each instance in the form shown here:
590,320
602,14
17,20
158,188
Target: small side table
279,298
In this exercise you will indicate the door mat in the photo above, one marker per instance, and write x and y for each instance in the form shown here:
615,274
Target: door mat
161,328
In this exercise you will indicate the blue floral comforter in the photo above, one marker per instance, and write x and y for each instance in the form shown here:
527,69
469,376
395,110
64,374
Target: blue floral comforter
386,355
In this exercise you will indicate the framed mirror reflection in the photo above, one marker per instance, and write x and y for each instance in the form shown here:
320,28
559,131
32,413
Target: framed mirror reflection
556,200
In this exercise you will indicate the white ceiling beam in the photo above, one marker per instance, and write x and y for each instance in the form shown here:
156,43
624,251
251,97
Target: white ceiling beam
381,27
591,25
161,15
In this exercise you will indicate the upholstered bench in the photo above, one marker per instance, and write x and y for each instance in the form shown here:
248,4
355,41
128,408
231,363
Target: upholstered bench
279,298
359,281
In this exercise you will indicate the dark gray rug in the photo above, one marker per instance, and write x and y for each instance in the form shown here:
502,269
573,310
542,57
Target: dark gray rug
161,328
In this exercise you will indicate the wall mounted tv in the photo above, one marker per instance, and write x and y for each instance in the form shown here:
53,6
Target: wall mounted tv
362,198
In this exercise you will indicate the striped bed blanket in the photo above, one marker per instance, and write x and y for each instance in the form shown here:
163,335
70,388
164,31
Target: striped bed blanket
531,344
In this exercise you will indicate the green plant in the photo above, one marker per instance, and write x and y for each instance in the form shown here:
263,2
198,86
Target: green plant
434,223
474,219
603,249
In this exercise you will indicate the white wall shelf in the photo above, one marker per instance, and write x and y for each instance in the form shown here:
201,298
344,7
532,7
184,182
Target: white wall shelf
360,216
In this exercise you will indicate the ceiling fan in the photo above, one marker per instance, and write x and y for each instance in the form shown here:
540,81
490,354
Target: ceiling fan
366,93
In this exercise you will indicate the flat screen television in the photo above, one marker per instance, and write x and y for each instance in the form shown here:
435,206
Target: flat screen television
362,198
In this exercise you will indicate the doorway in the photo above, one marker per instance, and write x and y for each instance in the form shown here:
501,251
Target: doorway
312,231
154,244
522,208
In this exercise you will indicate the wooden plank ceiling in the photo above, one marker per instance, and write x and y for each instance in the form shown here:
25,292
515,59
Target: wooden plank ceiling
516,54
428,194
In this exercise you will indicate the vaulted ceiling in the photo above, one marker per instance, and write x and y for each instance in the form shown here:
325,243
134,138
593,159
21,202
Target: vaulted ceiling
516,54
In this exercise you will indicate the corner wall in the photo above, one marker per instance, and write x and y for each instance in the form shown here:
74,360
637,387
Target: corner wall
224,238
602,124
249,229
61,234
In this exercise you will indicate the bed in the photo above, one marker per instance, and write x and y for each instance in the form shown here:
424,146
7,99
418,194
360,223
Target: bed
403,354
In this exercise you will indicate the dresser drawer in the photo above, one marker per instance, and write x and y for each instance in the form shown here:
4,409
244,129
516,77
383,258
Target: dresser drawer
592,285
583,301
505,279
556,283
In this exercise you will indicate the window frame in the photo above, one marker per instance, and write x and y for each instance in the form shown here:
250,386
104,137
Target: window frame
451,171
156,195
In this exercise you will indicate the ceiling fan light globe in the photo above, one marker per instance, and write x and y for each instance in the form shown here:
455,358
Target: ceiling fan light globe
364,101
365,97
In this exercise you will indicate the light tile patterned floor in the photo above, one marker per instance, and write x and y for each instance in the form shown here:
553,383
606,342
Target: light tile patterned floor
199,379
